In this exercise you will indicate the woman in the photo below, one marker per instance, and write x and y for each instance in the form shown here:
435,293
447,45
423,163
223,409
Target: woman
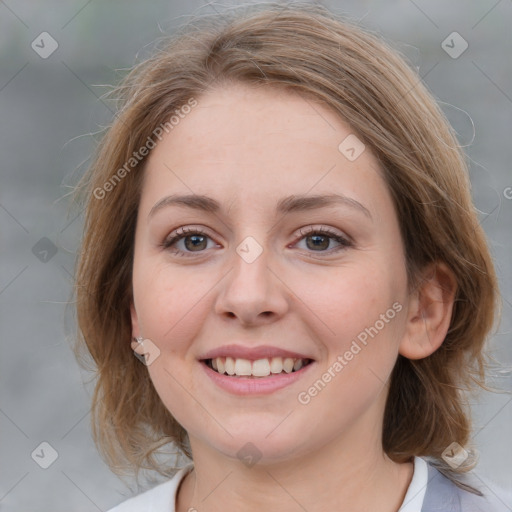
279,227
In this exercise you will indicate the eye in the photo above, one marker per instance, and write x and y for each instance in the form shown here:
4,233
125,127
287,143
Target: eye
185,241
322,240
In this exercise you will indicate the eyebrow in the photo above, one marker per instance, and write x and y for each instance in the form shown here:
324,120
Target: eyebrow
286,205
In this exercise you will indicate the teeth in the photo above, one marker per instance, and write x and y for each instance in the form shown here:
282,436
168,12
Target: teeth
276,365
230,366
243,367
288,365
259,368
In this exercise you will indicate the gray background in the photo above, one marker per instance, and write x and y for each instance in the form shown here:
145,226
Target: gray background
49,111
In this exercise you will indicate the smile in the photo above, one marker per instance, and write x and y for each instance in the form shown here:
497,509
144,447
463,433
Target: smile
260,368
256,377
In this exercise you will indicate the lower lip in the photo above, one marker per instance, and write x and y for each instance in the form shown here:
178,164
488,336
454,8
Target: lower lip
255,385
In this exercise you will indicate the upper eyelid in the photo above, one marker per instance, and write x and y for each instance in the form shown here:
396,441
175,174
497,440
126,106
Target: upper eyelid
183,231
322,228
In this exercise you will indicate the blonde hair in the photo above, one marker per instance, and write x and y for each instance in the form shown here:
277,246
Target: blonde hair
308,51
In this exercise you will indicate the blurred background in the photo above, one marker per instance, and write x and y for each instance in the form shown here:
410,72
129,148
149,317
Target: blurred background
56,59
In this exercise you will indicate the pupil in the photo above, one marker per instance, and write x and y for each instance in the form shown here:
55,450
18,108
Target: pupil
196,241
317,242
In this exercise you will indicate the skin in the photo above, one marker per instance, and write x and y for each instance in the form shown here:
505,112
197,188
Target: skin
247,148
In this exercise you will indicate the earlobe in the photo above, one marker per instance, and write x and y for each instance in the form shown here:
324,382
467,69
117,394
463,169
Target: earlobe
429,312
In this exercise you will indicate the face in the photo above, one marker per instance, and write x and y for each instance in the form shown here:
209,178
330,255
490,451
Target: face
288,270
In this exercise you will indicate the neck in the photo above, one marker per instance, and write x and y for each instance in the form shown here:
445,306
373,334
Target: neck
340,475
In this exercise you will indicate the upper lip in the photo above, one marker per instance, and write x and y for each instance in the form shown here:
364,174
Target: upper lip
251,353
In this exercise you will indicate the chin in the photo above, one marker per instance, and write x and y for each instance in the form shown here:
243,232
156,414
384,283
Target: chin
255,441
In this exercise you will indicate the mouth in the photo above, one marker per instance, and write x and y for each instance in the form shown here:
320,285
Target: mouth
256,369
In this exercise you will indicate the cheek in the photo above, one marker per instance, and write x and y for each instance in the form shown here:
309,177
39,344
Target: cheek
349,299
361,315
365,314
171,306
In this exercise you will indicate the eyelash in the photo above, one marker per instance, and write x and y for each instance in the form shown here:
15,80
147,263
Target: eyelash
184,232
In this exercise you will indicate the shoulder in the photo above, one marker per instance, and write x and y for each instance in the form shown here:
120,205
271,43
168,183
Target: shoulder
442,495
161,498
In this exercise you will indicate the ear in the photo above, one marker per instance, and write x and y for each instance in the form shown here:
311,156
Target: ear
429,312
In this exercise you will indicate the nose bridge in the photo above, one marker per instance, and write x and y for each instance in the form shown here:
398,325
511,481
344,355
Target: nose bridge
251,291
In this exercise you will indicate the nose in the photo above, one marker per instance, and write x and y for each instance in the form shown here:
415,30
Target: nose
251,293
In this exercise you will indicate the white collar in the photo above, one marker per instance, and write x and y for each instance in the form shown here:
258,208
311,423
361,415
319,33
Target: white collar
413,501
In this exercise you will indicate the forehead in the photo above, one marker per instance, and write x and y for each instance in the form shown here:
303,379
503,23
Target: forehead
254,145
